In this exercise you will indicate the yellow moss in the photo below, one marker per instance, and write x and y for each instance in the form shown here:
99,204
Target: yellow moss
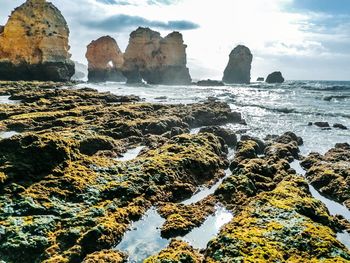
3,177
177,251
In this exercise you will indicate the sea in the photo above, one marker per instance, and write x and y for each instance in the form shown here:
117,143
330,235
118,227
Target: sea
267,108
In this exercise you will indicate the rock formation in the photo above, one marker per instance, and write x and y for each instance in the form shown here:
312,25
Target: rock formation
275,77
34,44
155,59
209,83
260,79
239,66
105,60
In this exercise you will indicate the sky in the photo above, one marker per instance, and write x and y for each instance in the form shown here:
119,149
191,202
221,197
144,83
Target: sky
305,39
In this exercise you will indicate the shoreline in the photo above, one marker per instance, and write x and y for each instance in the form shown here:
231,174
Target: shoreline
68,197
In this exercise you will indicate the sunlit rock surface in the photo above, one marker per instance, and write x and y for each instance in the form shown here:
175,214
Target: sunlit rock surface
155,59
105,60
34,44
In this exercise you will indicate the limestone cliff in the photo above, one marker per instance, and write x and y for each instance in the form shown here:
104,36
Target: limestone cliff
155,59
34,44
239,66
105,60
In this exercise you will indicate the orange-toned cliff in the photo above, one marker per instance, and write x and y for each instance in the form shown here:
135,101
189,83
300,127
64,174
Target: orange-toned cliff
155,59
34,44
105,60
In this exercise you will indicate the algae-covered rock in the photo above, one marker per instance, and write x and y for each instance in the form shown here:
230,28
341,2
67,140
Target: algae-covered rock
181,219
228,136
330,173
284,225
177,252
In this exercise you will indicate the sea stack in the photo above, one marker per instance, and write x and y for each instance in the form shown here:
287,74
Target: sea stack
239,66
34,44
275,77
156,60
105,60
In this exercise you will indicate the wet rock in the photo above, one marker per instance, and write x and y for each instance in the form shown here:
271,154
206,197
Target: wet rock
177,251
181,219
275,77
228,136
34,44
92,145
340,126
239,66
285,224
246,149
28,159
322,124
210,83
330,173
175,131
85,203
284,146
260,143
155,59
105,60
106,256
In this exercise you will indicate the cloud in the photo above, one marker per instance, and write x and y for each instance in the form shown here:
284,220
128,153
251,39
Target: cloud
122,22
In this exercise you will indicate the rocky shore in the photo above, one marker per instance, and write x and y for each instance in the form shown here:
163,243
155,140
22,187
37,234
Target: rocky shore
67,197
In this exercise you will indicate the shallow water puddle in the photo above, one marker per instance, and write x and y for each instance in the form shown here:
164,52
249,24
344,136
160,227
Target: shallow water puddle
131,154
206,191
344,237
334,208
195,130
199,237
7,134
144,239
6,100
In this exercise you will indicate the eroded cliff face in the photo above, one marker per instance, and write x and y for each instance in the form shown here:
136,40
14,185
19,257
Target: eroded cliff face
239,66
155,59
105,60
34,44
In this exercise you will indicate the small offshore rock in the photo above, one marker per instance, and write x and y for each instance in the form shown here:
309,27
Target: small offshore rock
260,79
340,126
322,124
275,77
210,83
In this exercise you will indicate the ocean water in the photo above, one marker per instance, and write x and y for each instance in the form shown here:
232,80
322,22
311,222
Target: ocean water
268,109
